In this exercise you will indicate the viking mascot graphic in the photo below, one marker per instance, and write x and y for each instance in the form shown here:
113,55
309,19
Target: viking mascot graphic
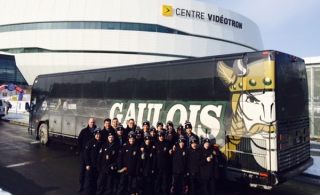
253,108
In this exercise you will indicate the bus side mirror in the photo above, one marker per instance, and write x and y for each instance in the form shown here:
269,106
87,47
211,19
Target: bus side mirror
27,107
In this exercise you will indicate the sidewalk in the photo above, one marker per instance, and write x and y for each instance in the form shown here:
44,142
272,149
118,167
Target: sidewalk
19,118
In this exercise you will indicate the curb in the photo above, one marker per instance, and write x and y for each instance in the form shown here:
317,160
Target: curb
15,122
310,176
303,177
19,123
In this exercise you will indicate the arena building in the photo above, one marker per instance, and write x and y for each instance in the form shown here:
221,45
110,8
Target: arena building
66,35
313,73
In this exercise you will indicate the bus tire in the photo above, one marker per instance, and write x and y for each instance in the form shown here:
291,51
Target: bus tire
44,134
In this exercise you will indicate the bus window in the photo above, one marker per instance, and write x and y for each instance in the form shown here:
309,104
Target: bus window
53,86
39,92
150,83
191,83
39,88
119,84
71,86
93,85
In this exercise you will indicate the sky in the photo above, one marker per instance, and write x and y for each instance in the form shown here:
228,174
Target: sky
290,26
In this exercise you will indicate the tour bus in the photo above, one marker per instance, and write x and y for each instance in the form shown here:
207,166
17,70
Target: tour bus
254,106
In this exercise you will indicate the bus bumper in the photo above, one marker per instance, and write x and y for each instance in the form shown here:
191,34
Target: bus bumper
278,178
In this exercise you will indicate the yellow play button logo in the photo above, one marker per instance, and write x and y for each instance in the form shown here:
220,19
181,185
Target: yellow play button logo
167,10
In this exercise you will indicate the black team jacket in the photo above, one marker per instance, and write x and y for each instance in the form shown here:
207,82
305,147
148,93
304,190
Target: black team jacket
194,168
117,140
207,169
130,157
92,151
164,160
83,138
108,156
180,160
148,164
105,133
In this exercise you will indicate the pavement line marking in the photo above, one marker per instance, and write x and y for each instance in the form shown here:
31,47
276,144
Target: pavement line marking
18,165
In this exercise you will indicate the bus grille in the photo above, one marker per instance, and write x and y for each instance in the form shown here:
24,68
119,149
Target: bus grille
245,156
293,143
293,156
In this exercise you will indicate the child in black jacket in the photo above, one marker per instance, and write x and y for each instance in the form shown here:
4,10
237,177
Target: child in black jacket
91,158
129,164
107,165
180,163
148,166
207,167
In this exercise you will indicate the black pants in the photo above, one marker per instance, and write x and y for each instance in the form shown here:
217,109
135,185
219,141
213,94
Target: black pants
179,184
146,185
116,182
91,181
195,184
162,182
105,183
82,170
209,186
127,185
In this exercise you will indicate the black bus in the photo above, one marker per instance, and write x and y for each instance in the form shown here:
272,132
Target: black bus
253,105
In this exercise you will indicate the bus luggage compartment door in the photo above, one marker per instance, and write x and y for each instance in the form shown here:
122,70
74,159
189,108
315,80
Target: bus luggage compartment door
55,123
69,125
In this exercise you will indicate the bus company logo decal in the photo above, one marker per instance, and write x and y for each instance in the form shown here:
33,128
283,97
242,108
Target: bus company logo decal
65,106
253,103
167,10
206,117
44,106
58,104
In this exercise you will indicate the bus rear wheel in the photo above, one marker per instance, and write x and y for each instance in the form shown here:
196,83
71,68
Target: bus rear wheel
43,134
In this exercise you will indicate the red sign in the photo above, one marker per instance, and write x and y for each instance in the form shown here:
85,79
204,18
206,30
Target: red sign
2,87
18,89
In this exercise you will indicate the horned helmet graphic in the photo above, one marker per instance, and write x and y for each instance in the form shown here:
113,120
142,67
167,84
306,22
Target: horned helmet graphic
253,102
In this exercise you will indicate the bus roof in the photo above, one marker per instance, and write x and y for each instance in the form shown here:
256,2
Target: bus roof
163,63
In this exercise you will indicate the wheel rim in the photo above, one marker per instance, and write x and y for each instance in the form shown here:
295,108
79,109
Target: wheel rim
43,134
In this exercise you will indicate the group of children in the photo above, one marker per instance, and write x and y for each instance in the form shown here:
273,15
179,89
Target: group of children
148,160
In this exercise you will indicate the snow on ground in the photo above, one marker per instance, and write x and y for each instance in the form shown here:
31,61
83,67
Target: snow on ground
315,168
315,150
314,142
4,192
13,116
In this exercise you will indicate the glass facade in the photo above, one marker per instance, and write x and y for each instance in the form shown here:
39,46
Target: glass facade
104,26
41,50
9,72
313,72
90,25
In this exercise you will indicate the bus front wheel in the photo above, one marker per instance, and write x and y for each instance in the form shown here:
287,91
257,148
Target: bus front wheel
43,133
